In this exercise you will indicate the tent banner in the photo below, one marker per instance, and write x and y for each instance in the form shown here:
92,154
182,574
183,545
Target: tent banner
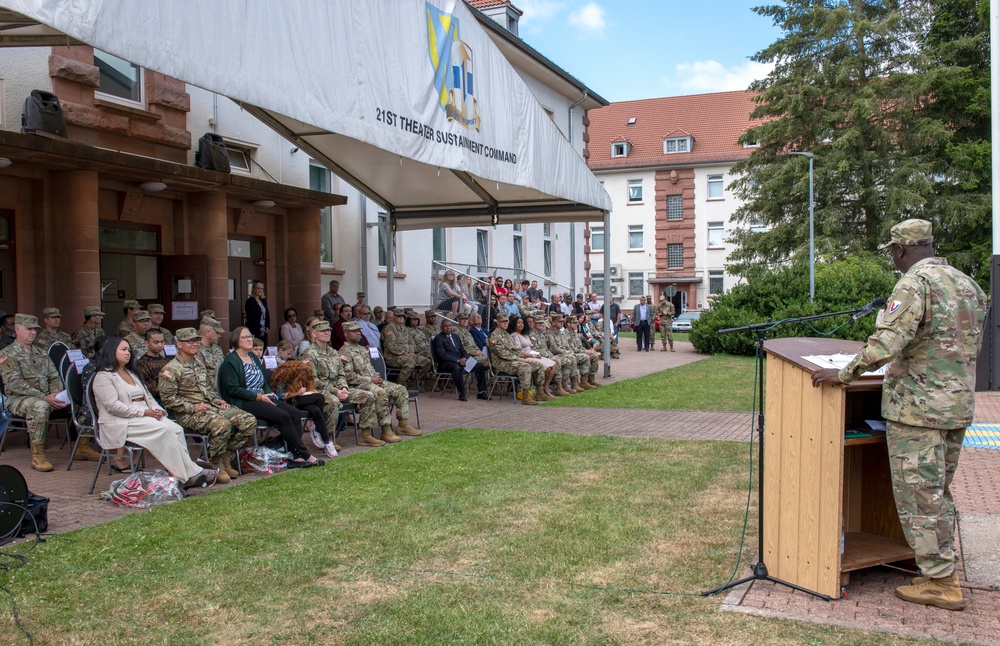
418,78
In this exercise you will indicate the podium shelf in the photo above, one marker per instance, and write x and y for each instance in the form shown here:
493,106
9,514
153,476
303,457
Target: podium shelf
862,550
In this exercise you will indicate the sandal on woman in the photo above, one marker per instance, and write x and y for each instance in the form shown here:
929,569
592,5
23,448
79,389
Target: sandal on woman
120,467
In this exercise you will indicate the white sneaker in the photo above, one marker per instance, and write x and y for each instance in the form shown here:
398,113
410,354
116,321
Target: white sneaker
331,451
317,440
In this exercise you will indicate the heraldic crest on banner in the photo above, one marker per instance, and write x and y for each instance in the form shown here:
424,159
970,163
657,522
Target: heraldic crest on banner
451,59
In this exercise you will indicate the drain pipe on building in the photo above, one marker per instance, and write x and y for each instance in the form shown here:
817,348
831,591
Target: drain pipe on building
572,225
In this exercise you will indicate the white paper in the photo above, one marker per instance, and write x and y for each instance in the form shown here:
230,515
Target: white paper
373,352
63,397
272,351
270,362
470,364
170,350
838,361
74,355
81,364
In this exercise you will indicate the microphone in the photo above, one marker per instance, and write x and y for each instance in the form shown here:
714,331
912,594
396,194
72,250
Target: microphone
869,308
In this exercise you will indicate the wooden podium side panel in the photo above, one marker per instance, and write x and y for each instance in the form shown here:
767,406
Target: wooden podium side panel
772,460
790,553
829,502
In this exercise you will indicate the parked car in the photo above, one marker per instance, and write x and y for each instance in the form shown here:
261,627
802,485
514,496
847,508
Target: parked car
683,322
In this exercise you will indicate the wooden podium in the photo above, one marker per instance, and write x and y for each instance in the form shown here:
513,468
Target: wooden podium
828,504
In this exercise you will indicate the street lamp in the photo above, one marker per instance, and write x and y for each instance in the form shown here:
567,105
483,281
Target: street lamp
812,247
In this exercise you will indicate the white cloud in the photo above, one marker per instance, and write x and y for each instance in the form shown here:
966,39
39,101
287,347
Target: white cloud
589,18
711,76
537,12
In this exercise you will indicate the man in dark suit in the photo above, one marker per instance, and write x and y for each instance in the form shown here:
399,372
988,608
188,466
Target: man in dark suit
642,318
451,356
478,333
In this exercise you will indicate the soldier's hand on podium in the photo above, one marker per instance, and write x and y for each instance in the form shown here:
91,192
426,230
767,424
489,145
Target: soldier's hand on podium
826,376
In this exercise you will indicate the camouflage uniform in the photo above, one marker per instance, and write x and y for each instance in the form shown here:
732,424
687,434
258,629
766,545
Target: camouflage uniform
507,359
184,384
168,336
539,344
137,344
665,310
85,337
46,338
397,350
28,375
328,369
358,371
211,358
929,333
156,308
471,347
569,367
124,329
588,363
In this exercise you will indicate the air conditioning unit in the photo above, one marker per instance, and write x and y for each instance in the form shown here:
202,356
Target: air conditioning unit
614,290
616,272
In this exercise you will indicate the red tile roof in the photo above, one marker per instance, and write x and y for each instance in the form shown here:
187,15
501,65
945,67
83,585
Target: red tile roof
487,4
714,121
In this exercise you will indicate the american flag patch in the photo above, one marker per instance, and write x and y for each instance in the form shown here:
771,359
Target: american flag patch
167,374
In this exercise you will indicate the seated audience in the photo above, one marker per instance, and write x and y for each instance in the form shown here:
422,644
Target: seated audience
127,412
291,331
285,352
149,365
506,359
451,355
519,331
307,331
242,384
448,294
295,383
370,331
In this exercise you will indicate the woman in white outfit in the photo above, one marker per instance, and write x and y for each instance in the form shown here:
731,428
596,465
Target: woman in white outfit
519,335
126,412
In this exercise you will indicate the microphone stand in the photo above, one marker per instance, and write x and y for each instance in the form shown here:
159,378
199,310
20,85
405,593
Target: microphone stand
760,572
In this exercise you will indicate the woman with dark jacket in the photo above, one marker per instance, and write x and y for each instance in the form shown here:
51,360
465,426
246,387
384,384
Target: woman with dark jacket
258,316
242,384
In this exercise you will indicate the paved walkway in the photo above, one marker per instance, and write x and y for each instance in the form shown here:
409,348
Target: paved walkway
870,604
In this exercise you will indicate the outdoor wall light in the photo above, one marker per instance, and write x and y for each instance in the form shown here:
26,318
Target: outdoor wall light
4,162
264,204
152,187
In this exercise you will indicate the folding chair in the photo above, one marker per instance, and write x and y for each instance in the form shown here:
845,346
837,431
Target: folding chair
412,394
14,422
510,382
78,416
133,450
439,376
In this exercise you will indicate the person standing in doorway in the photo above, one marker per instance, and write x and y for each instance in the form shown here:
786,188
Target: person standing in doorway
258,317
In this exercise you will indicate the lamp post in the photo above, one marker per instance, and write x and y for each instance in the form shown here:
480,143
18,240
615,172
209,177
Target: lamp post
812,247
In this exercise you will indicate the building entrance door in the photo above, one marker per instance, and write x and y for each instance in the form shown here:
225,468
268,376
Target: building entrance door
246,266
8,286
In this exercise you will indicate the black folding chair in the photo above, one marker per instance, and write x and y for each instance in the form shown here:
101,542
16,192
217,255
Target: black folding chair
133,450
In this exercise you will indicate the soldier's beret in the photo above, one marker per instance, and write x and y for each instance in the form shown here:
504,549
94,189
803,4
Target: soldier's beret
187,334
51,313
26,320
132,305
320,326
92,311
156,308
911,232
141,315
351,326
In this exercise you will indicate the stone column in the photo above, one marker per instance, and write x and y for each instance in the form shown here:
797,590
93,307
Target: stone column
74,265
302,253
208,224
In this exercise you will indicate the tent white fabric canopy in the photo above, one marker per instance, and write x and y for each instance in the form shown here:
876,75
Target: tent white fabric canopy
408,100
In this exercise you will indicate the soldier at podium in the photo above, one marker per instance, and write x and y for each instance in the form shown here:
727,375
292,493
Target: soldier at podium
930,333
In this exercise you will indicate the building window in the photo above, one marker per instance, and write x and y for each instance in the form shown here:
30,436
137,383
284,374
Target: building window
716,234
546,229
547,251
674,145
120,81
440,249
620,149
635,237
518,227
597,282
636,284
239,157
319,180
675,207
482,250
635,190
715,286
758,227
715,187
675,256
383,233
518,253
597,239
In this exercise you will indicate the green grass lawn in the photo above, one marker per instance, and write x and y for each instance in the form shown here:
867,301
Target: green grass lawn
719,383
461,537
678,336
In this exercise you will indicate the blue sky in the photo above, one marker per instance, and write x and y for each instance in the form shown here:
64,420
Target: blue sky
640,49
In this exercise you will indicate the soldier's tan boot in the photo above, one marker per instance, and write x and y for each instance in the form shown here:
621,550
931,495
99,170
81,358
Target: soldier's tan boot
38,460
664,347
671,347
227,466
527,399
559,391
84,452
574,385
388,436
365,438
583,383
593,382
223,477
542,395
941,593
405,428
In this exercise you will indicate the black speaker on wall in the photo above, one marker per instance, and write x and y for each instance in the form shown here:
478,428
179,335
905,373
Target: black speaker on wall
212,153
42,113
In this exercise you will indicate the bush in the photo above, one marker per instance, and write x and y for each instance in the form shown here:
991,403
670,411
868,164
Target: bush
784,293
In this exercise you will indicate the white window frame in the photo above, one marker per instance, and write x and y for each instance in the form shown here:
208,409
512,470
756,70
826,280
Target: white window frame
597,282
718,180
634,197
240,151
141,102
325,213
716,275
518,251
594,232
619,149
720,228
675,197
675,245
641,277
676,145
636,228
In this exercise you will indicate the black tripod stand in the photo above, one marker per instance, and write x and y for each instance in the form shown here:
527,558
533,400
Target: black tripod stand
760,330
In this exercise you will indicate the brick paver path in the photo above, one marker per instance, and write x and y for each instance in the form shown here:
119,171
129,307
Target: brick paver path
870,604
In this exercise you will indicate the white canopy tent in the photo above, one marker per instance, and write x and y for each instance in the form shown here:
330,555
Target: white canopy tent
407,100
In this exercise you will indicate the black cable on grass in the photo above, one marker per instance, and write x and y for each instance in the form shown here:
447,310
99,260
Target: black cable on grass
19,561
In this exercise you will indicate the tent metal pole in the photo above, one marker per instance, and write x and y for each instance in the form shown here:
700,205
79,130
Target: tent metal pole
607,294
390,252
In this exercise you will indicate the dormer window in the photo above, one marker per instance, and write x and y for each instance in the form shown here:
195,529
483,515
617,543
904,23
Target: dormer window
620,149
631,121
674,145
